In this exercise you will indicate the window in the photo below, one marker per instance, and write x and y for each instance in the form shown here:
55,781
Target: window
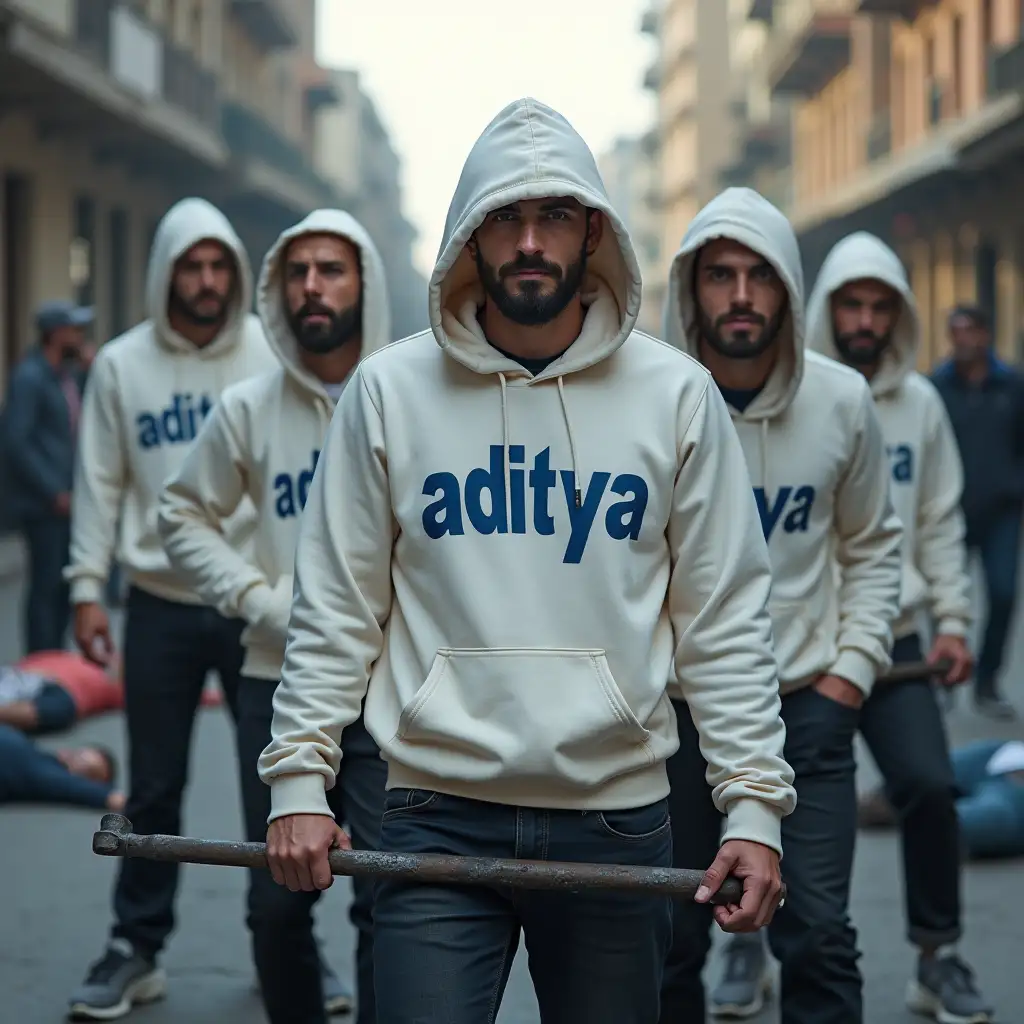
82,254
15,260
118,272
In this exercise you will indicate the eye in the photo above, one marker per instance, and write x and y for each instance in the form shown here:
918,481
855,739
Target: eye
763,273
558,215
503,216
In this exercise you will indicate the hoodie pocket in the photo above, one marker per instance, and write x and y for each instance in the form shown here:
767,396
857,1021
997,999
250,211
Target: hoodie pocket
800,646
522,713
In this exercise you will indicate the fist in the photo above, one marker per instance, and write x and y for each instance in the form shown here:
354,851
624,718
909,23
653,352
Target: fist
297,850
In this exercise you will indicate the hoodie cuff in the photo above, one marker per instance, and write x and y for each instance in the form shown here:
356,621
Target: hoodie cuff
754,821
857,668
952,627
299,793
87,590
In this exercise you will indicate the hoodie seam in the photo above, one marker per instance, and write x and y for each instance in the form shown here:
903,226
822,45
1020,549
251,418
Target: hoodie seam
701,403
379,412
533,137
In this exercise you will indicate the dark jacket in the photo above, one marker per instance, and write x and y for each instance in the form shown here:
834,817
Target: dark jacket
38,448
988,420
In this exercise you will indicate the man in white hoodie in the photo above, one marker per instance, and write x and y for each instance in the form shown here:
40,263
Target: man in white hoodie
862,313
815,454
148,393
323,304
524,522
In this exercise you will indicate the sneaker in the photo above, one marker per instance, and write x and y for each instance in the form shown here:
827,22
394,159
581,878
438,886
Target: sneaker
944,989
745,984
337,998
116,983
991,705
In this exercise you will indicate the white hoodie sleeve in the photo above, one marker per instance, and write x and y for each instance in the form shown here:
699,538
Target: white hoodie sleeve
209,486
718,596
341,602
941,556
868,539
101,473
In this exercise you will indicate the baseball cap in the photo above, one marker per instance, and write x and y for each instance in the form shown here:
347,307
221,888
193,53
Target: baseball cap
58,313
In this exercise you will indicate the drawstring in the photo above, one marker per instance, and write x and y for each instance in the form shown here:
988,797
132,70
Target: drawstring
572,445
506,445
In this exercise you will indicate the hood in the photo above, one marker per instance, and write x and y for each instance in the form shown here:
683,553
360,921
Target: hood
856,257
745,216
187,222
529,151
270,295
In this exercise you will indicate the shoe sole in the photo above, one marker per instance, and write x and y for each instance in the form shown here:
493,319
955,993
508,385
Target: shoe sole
926,1003
338,1005
744,1011
147,989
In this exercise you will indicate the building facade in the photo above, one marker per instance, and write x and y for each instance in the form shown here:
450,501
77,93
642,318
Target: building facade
908,121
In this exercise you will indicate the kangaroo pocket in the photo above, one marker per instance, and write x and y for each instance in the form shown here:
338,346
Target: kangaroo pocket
802,646
521,713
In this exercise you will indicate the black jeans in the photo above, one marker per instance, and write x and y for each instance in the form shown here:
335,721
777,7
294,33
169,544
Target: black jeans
811,936
280,921
442,953
904,730
47,609
168,650
998,544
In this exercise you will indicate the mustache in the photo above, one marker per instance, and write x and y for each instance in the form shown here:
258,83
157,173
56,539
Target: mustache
208,294
535,263
312,308
744,314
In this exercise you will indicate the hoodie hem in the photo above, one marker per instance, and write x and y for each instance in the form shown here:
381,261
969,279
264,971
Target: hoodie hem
637,789
261,663
163,587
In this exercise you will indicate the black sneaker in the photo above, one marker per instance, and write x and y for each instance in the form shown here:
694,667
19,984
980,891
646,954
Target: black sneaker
945,990
116,983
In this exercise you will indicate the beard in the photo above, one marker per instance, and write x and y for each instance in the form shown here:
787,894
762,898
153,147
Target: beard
341,326
190,310
531,307
862,348
746,342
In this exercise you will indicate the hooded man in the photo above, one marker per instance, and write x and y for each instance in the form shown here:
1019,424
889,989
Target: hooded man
148,393
514,536
817,461
862,313
323,304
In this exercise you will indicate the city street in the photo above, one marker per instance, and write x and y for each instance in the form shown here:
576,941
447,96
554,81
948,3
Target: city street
56,897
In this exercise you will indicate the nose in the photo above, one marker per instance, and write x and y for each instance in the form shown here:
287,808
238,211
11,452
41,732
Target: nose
529,239
311,285
209,278
742,296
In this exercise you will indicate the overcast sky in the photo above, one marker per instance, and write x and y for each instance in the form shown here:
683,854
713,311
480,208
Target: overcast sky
439,70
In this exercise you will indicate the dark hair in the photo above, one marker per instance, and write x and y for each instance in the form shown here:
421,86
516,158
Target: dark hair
975,315
111,761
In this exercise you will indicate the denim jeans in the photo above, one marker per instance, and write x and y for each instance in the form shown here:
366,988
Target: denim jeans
990,808
442,953
281,921
812,936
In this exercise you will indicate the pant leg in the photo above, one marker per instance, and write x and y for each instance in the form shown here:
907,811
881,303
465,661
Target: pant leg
280,921
696,834
442,953
903,727
360,787
230,658
597,957
47,608
992,819
812,936
1000,555
166,657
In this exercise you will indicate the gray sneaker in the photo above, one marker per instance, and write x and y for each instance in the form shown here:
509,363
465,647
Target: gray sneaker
944,989
116,983
337,998
746,983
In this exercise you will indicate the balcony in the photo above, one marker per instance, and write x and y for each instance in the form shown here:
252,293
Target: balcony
908,10
318,86
190,87
804,56
1006,70
273,166
267,23
762,10
649,22
879,140
652,78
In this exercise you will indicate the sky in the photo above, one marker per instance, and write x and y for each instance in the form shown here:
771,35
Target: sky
439,70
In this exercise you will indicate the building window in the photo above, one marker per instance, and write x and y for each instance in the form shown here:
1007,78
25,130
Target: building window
118,272
82,256
15,261
957,58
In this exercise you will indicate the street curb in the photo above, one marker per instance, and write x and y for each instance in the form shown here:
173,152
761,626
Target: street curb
13,557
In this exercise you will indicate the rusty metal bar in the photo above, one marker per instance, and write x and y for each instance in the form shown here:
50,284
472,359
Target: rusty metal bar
116,839
911,670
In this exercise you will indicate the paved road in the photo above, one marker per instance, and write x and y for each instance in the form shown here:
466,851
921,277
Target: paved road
54,907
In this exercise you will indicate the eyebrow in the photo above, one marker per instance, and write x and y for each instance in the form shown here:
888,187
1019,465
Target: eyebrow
763,265
551,206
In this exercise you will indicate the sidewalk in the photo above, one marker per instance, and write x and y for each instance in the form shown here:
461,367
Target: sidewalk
12,556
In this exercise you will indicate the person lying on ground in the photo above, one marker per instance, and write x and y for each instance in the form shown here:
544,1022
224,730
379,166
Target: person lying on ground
78,776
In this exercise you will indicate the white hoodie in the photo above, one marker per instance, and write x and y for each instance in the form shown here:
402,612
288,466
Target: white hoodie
149,391
821,480
926,472
516,644
262,442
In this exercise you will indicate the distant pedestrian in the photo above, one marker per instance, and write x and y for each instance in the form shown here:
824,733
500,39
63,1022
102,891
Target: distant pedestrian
985,400
39,436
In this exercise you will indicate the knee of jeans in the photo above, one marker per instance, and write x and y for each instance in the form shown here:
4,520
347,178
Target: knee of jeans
925,794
